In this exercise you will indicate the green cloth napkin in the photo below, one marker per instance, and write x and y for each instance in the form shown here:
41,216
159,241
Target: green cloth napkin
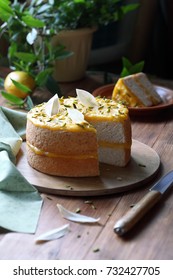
20,202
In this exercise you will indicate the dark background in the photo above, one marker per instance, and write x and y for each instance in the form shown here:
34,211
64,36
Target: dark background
151,40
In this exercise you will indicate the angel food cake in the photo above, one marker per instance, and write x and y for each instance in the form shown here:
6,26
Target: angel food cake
70,136
136,91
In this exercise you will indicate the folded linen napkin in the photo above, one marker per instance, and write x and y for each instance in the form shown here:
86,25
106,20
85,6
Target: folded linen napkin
20,202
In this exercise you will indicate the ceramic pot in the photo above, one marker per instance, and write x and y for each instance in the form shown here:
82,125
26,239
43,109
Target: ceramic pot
79,42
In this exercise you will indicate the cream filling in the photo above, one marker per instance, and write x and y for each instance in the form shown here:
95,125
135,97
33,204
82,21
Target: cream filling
103,144
53,155
147,91
106,144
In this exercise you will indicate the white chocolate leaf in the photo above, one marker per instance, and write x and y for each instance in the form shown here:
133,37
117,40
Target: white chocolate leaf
86,98
75,115
32,36
74,217
53,234
52,106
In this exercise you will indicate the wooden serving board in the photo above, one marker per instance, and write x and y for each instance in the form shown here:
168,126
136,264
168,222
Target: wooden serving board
142,167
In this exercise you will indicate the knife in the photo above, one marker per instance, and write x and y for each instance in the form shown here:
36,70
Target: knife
124,224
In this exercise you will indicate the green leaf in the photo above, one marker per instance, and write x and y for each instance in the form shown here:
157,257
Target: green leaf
5,4
79,1
21,86
52,86
129,68
27,57
5,10
59,52
124,72
12,49
63,55
42,77
29,103
12,98
4,16
138,67
1,82
33,22
128,8
126,63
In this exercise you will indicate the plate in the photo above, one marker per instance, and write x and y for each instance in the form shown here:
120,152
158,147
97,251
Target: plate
142,167
166,95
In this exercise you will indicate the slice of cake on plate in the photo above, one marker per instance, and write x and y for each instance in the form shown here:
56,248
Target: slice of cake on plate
70,136
136,91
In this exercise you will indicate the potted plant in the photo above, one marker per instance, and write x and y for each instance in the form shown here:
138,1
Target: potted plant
29,27
76,21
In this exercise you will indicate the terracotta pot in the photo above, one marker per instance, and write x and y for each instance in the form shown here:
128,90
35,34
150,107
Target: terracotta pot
79,42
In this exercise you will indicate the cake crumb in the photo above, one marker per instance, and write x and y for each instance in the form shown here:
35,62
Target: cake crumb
119,178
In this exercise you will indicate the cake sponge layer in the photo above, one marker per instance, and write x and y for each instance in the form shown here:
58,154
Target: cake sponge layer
57,145
136,91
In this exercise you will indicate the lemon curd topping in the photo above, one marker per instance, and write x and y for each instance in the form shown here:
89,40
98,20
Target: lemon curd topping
123,94
59,121
107,110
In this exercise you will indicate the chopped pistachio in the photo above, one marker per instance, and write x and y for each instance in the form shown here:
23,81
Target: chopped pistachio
119,178
81,125
78,210
91,203
88,202
95,250
101,107
132,205
142,165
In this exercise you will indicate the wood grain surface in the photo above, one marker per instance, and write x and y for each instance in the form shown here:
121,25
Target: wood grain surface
150,239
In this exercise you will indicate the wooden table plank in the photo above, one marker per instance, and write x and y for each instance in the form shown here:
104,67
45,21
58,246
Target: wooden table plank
73,246
150,239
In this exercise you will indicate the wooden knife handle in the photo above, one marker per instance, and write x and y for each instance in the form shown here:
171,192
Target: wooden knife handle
137,212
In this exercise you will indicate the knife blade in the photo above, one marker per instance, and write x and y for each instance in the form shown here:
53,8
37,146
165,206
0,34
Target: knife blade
155,193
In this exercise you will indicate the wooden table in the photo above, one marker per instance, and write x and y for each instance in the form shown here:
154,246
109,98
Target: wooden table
151,238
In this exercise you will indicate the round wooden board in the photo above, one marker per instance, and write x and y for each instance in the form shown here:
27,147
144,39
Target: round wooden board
142,167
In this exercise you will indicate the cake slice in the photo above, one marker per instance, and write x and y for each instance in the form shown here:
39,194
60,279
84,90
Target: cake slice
113,128
136,91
